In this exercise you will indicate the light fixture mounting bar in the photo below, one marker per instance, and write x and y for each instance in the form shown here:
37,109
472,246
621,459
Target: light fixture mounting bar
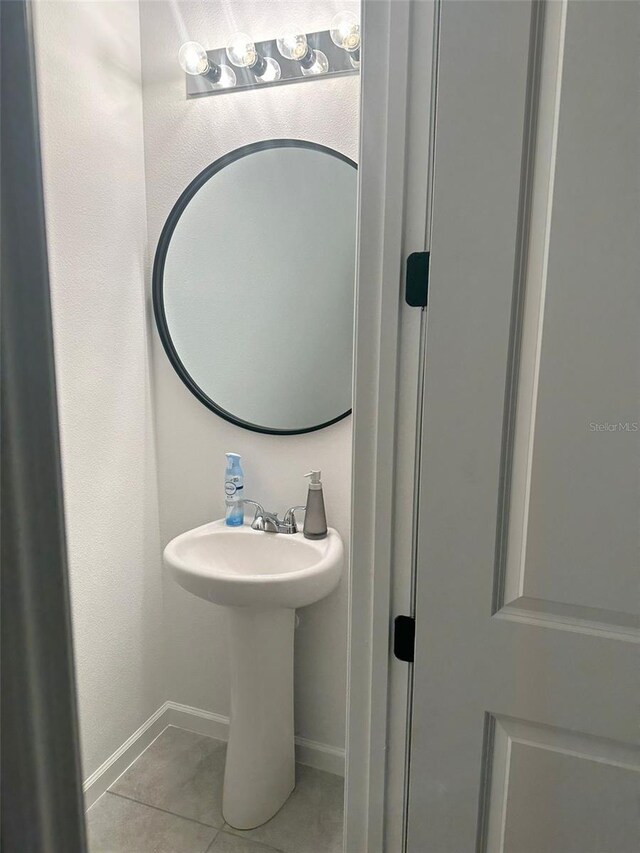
291,71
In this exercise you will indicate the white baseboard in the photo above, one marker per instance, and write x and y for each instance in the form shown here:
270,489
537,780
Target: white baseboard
320,755
309,752
102,778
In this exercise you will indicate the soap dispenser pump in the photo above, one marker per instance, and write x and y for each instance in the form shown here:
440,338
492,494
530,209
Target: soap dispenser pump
315,518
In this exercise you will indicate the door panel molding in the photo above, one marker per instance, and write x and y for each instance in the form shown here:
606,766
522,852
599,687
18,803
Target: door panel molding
539,160
572,617
513,563
537,171
509,734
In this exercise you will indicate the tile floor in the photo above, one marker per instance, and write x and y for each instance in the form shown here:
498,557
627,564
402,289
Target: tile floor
170,801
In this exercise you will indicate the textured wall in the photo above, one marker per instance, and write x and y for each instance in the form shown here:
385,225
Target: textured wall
91,124
181,138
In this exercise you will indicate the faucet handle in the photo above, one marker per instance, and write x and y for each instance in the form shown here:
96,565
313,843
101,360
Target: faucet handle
257,523
289,520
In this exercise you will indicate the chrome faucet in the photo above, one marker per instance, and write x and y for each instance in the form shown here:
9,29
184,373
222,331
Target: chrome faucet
268,522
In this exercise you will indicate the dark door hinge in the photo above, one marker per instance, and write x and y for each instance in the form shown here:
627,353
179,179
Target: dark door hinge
404,635
417,279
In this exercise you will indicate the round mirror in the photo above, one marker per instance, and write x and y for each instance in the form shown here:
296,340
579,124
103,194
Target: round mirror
253,286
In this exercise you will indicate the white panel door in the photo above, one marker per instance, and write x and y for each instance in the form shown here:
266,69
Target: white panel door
525,720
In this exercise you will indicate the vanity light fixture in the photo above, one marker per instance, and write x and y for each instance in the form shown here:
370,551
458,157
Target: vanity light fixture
345,33
296,48
293,57
243,54
193,60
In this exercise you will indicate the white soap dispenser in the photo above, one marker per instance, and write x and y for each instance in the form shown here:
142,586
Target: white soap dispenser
315,518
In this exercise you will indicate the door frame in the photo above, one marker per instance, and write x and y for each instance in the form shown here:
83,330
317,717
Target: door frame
397,133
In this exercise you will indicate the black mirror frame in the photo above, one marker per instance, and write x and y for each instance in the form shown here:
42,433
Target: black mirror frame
158,275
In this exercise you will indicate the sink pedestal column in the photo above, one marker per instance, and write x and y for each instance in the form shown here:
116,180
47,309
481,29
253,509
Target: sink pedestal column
260,767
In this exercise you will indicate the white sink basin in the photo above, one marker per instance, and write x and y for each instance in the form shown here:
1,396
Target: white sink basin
261,578
241,567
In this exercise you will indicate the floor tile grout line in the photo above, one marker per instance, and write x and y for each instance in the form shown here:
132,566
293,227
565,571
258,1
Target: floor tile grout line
212,842
164,811
244,833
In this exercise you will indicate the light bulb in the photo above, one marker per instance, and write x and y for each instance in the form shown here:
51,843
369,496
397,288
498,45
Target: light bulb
293,46
242,51
269,70
226,79
345,31
193,58
296,48
319,64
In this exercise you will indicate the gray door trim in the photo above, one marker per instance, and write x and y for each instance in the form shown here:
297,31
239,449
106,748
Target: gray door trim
42,806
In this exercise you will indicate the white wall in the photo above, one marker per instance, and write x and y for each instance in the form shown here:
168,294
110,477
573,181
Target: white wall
91,124
131,654
181,138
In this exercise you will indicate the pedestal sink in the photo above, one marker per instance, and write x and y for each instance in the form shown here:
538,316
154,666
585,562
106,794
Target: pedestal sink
261,578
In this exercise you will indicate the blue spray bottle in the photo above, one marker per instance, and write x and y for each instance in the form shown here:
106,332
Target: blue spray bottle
233,491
